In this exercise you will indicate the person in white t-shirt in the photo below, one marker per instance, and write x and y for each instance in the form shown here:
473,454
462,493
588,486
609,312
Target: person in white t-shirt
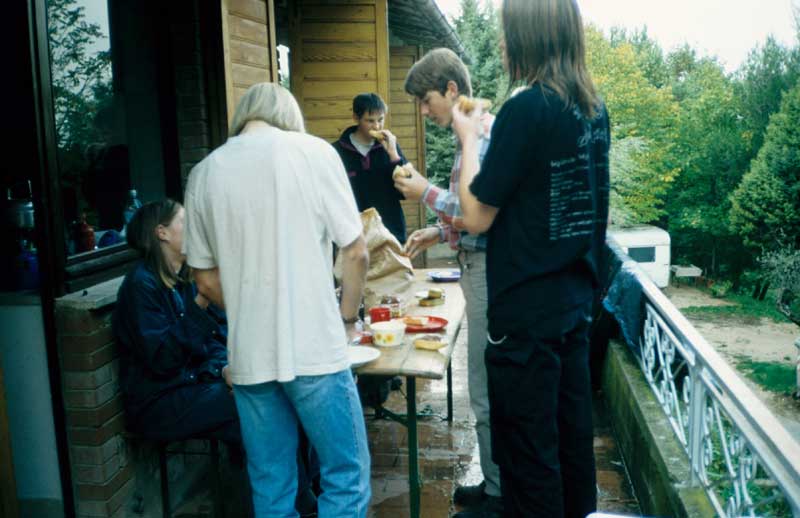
262,212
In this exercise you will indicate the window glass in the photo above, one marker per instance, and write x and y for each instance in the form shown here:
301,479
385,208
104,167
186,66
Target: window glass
103,68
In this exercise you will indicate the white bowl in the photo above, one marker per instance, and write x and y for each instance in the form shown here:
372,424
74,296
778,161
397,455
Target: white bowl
388,334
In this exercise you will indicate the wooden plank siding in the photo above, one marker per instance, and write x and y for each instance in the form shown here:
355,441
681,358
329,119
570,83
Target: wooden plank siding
248,40
407,124
338,49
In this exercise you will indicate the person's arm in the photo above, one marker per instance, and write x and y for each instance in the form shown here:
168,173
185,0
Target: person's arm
158,342
422,239
477,217
209,285
355,261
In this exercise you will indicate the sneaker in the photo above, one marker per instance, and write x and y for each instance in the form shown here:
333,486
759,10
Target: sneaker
470,496
491,507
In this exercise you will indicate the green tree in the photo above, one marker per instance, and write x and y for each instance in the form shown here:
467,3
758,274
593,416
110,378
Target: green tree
765,209
645,167
769,71
712,149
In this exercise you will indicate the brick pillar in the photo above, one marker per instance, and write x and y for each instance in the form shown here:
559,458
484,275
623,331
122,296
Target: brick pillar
194,141
102,477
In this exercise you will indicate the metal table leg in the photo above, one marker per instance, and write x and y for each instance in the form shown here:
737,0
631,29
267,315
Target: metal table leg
449,393
413,453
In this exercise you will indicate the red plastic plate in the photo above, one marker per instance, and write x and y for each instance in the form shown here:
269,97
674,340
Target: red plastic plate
433,325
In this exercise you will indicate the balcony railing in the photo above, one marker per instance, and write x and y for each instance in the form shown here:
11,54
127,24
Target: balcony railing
739,452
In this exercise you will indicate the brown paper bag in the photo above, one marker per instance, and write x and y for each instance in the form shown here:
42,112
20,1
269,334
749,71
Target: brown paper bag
390,271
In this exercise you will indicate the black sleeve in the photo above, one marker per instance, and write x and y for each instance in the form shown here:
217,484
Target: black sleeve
392,165
507,160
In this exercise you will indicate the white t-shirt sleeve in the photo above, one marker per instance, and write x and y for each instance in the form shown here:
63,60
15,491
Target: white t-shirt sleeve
339,209
196,244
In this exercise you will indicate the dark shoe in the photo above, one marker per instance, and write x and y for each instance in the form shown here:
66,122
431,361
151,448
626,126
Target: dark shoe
306,504
491,507
396,383
470,496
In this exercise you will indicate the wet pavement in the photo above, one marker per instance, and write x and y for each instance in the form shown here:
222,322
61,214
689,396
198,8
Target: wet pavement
448,452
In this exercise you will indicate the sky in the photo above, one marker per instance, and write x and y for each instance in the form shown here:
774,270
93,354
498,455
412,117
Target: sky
727,29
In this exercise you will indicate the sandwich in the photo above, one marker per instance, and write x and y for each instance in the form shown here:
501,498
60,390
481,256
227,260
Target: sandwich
429,342
401,171
377,135
467,104
415,321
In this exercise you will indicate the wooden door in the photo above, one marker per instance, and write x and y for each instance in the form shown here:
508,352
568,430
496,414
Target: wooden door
248,42
339,49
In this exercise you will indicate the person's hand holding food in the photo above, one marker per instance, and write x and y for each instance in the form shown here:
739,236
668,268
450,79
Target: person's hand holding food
408,181
389,142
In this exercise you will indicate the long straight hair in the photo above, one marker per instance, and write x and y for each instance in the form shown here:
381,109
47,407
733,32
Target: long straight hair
142,237
545,44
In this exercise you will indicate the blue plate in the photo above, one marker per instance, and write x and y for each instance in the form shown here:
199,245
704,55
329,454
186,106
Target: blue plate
444,275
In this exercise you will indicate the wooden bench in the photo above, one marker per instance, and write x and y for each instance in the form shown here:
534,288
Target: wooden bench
686,272
164,451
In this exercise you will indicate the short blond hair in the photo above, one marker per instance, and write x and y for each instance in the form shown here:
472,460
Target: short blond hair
270,103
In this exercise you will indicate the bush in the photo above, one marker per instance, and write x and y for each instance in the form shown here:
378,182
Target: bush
721,288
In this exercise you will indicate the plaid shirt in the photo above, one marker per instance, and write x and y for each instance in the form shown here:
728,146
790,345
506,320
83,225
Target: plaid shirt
446,203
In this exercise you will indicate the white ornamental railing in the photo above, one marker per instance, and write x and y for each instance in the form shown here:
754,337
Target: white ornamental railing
739,452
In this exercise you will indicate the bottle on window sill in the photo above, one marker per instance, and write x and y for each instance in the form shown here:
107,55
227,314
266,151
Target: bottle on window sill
130,209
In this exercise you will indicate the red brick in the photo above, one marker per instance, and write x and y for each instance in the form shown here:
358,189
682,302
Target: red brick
88,380
99,454
97,474
89,362
87,508
86,343
94,417
88,399
108,489
81,321
95,436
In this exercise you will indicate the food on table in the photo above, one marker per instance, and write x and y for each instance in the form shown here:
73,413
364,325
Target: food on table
429,342
467,104
428,302
415,321
435,293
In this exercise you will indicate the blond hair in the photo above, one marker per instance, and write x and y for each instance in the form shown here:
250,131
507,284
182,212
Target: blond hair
270,103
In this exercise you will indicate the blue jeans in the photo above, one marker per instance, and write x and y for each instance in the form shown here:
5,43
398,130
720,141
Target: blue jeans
330,412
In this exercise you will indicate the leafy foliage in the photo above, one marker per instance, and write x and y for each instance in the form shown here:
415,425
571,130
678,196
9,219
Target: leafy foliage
766,205
644,168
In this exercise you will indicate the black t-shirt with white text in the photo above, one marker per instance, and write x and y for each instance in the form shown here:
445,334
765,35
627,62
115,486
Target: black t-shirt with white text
547,171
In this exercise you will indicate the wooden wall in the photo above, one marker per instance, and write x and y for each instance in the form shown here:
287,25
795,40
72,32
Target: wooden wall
248,39
407,124
338,49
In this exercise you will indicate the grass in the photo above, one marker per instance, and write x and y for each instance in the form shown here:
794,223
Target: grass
774,377
741,306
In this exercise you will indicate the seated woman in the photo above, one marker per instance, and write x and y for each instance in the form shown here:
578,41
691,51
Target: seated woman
173,357
171,341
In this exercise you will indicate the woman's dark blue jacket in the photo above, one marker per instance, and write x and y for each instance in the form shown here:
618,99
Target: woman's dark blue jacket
165,339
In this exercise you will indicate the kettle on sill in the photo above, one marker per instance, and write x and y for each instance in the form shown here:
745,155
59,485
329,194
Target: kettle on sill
19,212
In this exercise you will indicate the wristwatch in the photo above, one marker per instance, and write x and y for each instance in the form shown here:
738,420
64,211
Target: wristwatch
352,320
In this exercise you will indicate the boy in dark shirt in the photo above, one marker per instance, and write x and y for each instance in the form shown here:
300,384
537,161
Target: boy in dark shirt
370,161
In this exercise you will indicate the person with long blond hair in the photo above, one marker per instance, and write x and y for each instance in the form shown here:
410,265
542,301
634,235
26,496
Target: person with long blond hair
542,196
262,213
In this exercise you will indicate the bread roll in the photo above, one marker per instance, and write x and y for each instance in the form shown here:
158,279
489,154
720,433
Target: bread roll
414,321
401,172
467,104
431,302
435,293
429,342
377,135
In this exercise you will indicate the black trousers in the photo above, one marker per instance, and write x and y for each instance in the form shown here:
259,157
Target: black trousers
541,418
204,410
